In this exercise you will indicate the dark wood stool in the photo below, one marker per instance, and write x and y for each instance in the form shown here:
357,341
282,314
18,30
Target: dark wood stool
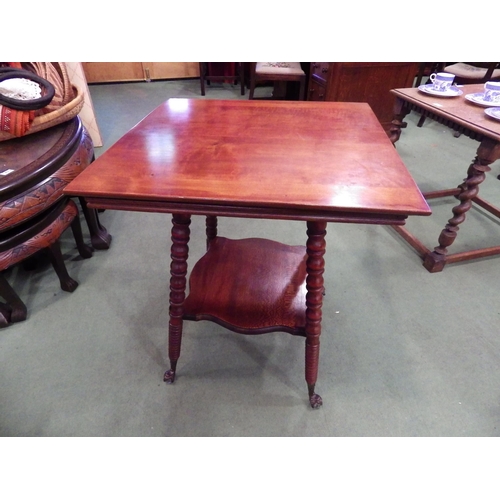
34,213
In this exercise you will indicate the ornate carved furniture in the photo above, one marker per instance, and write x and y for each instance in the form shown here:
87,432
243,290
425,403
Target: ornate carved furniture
361,82
469,119
33,209
278,72
283,160
207,74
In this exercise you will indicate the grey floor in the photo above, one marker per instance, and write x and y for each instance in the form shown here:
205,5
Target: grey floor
404,352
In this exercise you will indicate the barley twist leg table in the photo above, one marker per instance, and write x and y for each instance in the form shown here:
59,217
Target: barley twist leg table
470,120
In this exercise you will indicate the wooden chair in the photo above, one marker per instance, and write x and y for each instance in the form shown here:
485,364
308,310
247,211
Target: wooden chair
466,73
206,75
277,72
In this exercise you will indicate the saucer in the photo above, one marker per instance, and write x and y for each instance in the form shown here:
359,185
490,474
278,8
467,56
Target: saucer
478,99
429,89
493,112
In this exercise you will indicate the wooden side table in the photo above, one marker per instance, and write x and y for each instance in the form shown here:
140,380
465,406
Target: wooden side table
283,160
34,211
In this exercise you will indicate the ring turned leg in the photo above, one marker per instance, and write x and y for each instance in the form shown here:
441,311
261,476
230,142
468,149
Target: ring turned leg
178,272
315,266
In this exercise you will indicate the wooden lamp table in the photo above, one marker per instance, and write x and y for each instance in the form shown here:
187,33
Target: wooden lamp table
312,162
469,119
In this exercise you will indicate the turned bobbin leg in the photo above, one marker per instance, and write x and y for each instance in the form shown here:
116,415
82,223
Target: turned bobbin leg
178,272
315,266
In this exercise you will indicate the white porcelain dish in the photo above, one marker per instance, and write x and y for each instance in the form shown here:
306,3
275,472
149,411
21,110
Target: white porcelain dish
477,98
493,112
429,89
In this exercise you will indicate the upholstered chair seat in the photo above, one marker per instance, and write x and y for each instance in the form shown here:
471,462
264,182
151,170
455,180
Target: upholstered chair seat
277,71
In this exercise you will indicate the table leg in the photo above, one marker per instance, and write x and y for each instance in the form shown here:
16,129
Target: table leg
487,153
315,266
99,235
14,310
178,272
211,228
400,112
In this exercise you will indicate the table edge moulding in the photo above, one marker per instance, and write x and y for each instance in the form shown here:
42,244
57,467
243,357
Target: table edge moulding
215,171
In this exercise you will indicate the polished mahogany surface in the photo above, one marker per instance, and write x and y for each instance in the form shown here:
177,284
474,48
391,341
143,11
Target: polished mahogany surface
324,158
246,309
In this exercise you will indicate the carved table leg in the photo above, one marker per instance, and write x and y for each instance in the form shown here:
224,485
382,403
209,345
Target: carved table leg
487,152
211,228
400,112
99,235
178,272
14,310
68,284
84,250
315,266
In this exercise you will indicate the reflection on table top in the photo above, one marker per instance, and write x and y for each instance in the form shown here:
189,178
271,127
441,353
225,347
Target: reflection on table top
327,156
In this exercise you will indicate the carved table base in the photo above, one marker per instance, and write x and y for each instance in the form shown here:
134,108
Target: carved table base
40,236
33,209
467,193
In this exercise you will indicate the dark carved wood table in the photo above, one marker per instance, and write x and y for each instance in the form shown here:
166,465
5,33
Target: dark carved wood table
34,212
312,162
469,119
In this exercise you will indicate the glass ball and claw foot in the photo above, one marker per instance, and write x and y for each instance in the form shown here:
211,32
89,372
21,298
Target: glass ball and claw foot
314,399
245,299
169,376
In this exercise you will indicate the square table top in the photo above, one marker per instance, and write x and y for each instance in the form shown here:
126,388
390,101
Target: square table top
305,158
458,109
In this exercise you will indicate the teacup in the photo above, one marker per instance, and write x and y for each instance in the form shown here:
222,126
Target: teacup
441,81
491,92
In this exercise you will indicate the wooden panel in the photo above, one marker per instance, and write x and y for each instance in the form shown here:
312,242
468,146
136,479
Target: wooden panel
165,70
113,72
100,72
371,83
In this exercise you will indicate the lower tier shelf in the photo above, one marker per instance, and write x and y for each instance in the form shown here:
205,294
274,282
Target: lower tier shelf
250,286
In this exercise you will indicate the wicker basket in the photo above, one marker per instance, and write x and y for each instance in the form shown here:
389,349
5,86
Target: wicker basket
62,114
